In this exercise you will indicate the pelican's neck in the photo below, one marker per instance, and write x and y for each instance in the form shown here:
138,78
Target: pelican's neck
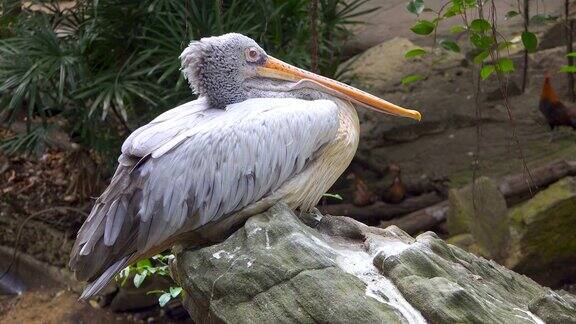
332,160
349,123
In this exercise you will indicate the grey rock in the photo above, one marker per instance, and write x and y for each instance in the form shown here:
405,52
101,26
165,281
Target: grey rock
450,285
512,90
383,66
555,308
276,268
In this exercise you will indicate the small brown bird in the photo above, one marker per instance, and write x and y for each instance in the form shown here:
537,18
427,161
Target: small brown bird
396,192
556,113
363,196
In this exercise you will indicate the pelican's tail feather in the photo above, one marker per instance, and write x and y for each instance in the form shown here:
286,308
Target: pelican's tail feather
99,284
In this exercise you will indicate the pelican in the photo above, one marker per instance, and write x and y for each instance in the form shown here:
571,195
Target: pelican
260,132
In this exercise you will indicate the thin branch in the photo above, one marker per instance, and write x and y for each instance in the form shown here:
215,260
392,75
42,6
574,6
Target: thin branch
526,15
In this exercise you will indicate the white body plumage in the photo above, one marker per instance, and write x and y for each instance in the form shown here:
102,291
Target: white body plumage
194,166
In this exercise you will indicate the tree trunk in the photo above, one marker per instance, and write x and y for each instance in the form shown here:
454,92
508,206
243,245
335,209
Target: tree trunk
421,220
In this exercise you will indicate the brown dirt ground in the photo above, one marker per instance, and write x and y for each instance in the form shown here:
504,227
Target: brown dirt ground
54,307
450,150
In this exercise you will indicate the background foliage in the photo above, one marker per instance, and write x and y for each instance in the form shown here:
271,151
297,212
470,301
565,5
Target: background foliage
101,68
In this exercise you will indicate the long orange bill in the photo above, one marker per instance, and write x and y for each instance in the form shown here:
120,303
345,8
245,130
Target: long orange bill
274,68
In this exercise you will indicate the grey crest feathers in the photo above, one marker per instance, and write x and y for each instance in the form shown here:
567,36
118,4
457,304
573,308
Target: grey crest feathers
216,67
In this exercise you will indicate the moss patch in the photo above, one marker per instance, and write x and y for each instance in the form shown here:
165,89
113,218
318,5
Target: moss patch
544,229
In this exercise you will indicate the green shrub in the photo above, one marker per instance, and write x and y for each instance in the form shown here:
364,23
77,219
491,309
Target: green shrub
108,66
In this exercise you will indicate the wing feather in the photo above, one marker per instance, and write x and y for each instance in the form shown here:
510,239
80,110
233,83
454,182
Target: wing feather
193,165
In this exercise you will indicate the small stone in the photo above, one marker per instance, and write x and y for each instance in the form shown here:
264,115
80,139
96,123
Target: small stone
70,198
94,303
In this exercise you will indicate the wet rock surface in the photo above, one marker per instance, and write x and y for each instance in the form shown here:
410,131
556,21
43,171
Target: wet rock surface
281,267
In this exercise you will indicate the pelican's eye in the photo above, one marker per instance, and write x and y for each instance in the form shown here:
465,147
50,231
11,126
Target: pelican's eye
252,54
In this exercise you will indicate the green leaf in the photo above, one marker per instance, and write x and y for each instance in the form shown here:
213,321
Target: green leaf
423,27
455,9
450,45
125,272
175,291
146,263
572,54
415,52
511,14
505,65
481,57
486,71
480,25
411,79
415,6
481,41
457,29
529,41
335,196
568,69
139,278
164,299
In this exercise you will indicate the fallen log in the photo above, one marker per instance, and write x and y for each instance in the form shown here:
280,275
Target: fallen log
413,188
381,210
520,187
420,220
515,188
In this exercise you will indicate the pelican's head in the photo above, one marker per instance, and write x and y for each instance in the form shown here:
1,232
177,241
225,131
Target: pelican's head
219,68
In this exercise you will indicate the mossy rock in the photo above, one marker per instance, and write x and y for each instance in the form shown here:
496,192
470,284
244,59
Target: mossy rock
480,209
283,268
466,241
274,270
555,307
543,234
